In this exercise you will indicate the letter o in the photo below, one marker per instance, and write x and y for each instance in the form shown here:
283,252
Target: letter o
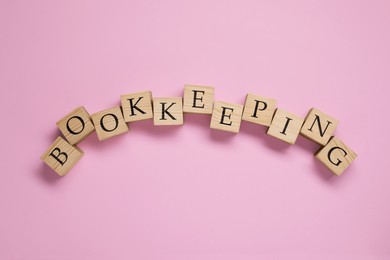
82,124
116,122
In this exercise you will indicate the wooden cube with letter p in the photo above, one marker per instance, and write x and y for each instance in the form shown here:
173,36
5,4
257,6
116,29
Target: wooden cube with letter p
259,110
76,125
285,126
198,99
226,117
319,126
61,156
137,106
109,123
336,156
168,111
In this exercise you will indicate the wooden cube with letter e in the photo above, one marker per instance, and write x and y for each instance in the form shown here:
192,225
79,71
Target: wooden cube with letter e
198,99
226,117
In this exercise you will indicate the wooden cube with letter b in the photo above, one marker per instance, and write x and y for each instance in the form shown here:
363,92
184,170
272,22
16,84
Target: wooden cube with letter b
61,156
137,106
76,125
285,126
109,123
319,126
336,156
226,117
168,111
198,99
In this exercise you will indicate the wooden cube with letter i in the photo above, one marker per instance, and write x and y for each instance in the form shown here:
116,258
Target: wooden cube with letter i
285,126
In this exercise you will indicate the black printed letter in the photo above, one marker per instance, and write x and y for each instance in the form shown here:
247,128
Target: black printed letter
257,107
116,122
197,98
134,106
82,124
57,157
165,111
338,160
319,126
286,125
224,115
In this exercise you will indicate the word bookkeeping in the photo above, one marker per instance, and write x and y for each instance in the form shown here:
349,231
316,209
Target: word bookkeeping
78,124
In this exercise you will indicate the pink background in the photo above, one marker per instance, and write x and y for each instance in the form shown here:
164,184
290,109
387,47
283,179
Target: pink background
190,192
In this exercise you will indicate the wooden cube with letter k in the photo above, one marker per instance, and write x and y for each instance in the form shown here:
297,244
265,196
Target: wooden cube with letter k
168,111
137,106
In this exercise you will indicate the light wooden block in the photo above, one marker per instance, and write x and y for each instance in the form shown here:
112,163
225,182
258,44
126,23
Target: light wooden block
336,156
137,106
226,117
109,123
259,110
285,126
319,126
76,125
198,99
61,156
168,111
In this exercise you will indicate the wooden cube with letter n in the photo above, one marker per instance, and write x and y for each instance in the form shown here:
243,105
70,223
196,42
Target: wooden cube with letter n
76,125
336,156
168,111
259,110
109,123
285,126
198,99
61,156
137,106
226,117
318,126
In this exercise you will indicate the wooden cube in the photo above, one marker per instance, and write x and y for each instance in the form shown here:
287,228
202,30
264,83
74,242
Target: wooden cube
109,123
168,111
61,156
76,125
137,106
318,126
198,99
285,126
336,156
226,117
259,110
